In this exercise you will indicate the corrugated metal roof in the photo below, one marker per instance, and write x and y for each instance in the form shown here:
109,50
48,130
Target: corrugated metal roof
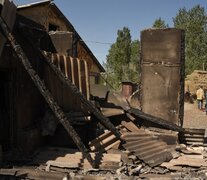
147,147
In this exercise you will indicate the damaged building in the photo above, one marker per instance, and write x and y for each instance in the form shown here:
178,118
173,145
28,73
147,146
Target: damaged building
22,107
47,14
56,124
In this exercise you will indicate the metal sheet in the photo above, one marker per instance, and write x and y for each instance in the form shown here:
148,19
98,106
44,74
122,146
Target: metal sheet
146,147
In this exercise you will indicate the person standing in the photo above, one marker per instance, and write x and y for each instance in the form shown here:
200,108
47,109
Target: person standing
200,97
206,102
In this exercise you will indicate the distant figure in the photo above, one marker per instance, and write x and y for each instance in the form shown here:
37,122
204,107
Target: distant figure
200,97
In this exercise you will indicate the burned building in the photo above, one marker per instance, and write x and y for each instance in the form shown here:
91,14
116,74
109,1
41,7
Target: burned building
46,104
61,30
23,108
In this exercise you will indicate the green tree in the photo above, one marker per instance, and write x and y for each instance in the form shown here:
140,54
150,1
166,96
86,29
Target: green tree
122,59
135,61
194,22
159,23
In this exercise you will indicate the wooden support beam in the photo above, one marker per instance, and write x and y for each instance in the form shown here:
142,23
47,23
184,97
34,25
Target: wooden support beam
156,120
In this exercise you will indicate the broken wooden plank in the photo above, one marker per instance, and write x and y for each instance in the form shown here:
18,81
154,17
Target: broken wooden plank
194,131
191,139
108,112
191,162
156,120
171,166
130,126
193,156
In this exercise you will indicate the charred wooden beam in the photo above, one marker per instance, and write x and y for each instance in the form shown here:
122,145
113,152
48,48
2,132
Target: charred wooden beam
61,116
156,120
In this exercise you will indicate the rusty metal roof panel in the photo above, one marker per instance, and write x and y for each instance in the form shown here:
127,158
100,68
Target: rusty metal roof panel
148,148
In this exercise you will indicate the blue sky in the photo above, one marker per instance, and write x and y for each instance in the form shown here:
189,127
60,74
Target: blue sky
99,20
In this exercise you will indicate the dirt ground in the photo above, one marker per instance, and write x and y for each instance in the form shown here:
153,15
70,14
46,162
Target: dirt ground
193,117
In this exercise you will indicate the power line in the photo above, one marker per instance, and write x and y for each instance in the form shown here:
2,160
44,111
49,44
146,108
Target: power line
97,42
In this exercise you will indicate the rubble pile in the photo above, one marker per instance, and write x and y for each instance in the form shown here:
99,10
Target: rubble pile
135,158
130,141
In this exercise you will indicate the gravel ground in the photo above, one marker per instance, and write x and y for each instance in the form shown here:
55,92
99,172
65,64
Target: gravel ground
193,117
